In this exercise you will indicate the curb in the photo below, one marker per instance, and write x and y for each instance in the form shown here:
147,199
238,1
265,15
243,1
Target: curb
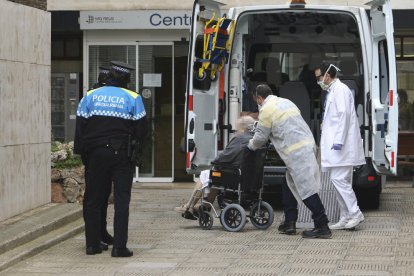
36,223
39,244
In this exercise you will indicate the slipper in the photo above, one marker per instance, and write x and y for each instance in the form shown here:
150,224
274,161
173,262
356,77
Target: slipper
188,215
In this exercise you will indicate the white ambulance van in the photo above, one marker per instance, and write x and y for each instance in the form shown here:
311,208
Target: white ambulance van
281,45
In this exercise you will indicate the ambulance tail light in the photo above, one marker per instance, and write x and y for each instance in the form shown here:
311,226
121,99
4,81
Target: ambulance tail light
297,4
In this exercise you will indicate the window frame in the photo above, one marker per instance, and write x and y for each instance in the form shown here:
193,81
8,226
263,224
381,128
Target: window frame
400,38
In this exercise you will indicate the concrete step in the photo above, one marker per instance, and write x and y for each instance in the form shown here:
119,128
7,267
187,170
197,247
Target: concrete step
31,232
41,243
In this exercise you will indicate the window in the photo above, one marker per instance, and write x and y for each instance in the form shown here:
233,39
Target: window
101,55
384,71
404,47
67,47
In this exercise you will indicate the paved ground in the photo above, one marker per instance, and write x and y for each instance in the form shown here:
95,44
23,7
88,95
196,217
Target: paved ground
166,244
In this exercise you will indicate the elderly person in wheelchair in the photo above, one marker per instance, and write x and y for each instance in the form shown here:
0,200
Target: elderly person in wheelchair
232,155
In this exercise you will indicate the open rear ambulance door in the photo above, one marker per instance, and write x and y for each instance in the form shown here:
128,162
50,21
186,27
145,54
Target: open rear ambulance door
384,104
202,95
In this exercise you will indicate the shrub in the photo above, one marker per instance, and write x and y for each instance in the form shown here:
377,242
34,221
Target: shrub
62,156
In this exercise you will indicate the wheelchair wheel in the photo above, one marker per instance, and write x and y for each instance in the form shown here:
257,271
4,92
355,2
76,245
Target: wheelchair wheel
233,217
264,218
205,220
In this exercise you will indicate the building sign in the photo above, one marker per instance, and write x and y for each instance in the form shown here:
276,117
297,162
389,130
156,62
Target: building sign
152,80
148,19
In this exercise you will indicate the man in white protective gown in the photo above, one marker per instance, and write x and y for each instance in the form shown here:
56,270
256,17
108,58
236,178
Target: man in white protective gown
281,122
341,144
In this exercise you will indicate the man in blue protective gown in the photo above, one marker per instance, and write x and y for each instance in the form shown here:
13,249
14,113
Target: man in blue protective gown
108,119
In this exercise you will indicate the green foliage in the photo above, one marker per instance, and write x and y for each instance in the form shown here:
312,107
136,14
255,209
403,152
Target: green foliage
55,147
71,162
62,156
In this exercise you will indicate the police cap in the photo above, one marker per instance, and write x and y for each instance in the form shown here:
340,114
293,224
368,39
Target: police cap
104,69
121,67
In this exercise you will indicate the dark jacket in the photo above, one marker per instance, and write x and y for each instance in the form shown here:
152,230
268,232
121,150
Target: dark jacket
109,115
233,153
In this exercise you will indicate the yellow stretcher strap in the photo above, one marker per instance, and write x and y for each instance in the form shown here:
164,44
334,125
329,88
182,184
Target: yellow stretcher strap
210,44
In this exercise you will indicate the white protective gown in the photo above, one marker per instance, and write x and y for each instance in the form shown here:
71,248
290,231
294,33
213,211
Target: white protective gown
281,122
340,126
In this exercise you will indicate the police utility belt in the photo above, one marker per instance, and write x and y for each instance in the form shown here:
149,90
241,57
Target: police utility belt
117,145
132,146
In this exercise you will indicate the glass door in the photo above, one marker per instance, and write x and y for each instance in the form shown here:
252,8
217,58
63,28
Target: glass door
155,73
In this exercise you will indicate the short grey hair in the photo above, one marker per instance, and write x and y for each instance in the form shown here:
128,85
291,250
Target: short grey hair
244,122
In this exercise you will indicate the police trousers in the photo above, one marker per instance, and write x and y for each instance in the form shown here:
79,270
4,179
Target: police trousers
105,166
104,210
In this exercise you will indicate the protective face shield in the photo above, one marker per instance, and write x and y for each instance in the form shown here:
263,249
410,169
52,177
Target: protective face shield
322,83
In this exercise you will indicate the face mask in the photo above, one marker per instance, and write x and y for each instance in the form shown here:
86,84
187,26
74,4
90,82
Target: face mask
322,83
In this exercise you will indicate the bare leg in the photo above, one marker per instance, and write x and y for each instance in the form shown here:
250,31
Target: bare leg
195,196
212,195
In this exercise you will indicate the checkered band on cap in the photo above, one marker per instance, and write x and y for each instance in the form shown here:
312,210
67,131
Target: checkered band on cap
121,69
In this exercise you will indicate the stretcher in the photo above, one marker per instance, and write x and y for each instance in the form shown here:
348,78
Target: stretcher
217,37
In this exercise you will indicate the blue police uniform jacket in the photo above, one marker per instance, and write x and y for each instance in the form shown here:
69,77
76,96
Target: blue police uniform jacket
107,113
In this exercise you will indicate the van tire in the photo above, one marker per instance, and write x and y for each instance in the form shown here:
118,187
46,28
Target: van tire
368,199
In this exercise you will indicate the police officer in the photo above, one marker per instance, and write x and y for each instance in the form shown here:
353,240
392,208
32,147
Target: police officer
102,77
107,119
105,236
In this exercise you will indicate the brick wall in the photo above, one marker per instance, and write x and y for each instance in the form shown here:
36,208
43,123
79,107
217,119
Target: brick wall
39,4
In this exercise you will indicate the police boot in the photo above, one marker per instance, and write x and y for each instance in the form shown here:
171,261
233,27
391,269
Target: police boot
107,238
287,227
320,232
121,252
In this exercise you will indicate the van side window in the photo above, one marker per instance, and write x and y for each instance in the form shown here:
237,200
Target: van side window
383,70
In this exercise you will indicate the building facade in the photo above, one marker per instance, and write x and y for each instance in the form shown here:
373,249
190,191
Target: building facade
25,108
154,37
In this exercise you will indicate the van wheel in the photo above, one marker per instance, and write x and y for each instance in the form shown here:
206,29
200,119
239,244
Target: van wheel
375,201
368,199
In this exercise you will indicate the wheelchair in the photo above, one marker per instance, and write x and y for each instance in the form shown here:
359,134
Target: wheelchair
238,188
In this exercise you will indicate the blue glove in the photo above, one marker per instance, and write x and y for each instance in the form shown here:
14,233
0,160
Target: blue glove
336,146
